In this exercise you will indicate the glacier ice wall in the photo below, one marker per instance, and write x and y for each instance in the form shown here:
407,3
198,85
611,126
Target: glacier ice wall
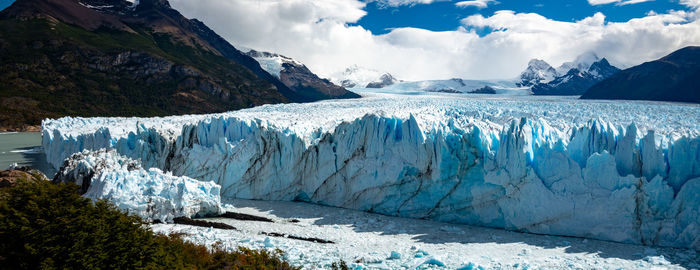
151,194
595,180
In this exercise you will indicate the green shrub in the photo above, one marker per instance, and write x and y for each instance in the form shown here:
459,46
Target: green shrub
342,265
46,226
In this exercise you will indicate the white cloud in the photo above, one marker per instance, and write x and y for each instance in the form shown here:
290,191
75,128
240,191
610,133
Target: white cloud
474,3
691,3
396,3
316,32
617,2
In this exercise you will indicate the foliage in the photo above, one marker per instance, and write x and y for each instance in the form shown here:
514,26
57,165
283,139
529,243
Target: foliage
51,226
342,265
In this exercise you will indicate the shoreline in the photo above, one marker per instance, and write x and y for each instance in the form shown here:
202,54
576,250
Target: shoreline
24,128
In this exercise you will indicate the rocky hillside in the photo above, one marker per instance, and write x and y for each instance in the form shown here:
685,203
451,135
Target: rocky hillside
298,78
9,178
114,58
672,78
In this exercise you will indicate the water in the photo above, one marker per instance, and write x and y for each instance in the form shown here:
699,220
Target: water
23,148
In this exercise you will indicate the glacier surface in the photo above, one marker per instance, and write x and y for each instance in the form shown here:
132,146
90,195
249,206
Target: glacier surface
620,171
151,194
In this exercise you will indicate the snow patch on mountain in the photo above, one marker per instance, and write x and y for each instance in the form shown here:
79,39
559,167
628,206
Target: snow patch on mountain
611,171
134,3
271,62
148,193
95,7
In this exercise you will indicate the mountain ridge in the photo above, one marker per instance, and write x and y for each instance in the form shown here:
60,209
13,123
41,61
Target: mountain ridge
581,74
113,58
670,78
297,77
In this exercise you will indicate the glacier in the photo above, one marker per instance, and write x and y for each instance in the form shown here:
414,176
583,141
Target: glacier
620,171
150,194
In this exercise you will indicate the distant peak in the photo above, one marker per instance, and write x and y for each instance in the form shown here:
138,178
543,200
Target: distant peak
537,62
603,61
538,71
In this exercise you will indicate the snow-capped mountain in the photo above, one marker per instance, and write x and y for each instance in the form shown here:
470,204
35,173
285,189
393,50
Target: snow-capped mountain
298,77
458,86
582,62
602,69
571,78
385,80
538,71
361,77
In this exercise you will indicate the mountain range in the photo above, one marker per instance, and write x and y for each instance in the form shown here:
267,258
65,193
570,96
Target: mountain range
117,58
571,78
671,78
539,78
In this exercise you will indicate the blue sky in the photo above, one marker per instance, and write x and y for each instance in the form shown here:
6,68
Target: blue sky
5,3
446,16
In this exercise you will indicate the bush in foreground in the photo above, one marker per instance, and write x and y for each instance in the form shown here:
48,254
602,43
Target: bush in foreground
47,226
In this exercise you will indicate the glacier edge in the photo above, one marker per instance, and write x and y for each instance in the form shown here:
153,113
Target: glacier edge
597,180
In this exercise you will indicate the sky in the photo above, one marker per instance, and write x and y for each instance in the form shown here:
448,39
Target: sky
446,15
442,39
5,3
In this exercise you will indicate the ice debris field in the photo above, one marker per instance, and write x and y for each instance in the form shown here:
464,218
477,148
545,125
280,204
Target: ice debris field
151,194
611,170
372,241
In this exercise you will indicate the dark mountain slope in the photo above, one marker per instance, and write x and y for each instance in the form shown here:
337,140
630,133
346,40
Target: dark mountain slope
107,58
299,78
672,78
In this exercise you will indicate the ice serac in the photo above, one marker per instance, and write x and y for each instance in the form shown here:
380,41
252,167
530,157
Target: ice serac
590,178
149,193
